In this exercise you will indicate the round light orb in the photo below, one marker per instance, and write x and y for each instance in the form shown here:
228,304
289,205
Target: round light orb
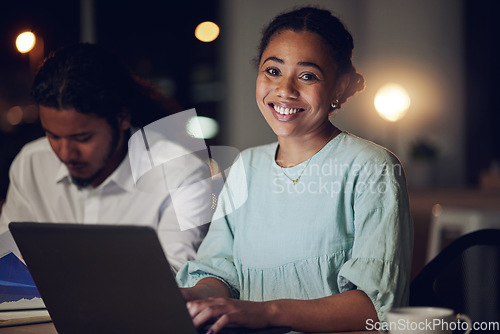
202,127
437,210
15,115
25,42
207,31
392,102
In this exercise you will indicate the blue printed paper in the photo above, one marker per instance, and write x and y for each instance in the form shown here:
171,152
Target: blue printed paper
15,280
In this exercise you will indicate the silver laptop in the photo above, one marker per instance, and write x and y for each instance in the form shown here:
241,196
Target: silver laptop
106,279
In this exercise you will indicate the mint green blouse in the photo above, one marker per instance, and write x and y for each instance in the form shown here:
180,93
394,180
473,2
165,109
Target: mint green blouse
345,225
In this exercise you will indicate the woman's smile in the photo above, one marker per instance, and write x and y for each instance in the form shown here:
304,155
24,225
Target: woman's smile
283,112
286,110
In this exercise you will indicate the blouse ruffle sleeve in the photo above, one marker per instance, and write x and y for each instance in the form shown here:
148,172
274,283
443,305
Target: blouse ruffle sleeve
214,259
383,236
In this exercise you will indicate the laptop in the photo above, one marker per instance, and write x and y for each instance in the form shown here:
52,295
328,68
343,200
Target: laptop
106,279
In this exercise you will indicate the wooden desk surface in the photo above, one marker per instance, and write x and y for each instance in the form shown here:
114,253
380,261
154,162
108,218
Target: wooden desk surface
48,328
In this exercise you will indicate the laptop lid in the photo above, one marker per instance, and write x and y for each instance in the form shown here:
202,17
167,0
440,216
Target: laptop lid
105,279
102,279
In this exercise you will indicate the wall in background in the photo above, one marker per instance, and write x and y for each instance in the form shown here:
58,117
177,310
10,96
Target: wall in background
482,73
418,44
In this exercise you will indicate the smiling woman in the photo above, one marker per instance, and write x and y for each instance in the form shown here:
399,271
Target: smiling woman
323,242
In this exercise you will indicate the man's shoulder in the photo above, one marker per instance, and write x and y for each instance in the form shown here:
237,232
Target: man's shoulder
37,151
37,146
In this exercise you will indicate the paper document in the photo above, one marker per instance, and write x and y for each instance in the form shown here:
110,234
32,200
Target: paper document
20,302
15,281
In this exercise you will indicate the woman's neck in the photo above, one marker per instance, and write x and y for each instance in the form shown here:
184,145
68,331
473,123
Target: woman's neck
294,150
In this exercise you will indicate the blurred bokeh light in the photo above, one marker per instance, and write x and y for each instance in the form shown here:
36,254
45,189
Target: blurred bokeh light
207,31
25,42
15,115
392,102
202,127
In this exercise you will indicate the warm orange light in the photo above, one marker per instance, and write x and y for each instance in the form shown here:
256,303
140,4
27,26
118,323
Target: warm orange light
25,42
437,209
15,115
392,102
207,31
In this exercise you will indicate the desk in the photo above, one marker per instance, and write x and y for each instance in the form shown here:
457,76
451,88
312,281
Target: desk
48,328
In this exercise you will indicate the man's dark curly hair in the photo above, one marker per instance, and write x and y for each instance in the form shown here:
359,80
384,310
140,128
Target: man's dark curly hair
92,80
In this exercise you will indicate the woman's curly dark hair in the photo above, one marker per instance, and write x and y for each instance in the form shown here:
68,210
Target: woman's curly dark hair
92,80
331,29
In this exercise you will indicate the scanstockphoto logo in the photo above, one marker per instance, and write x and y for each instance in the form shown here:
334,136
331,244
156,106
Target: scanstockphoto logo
170,158
438,325
333,177
414,326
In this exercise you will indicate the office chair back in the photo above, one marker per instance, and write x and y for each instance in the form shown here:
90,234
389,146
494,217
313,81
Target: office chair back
464,276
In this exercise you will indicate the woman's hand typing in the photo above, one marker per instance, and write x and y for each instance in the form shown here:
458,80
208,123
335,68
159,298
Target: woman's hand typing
228,311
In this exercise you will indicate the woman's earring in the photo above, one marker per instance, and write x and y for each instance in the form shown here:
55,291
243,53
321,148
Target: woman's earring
335,104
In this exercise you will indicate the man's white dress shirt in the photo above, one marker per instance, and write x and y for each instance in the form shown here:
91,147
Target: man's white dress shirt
41,190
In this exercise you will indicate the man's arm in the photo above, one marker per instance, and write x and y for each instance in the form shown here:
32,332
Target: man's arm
2,201
186,216
16,206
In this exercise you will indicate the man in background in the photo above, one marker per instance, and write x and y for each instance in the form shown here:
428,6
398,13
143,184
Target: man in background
80,171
